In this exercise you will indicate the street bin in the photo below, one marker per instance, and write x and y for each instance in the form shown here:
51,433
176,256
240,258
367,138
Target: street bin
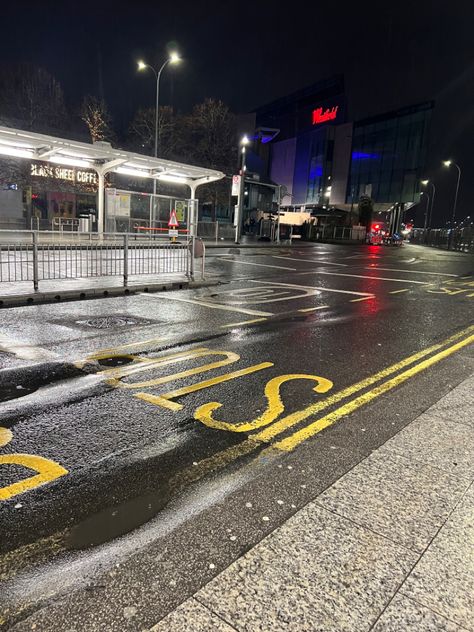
84,224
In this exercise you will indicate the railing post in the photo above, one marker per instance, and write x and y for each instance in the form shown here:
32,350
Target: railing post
125,260
35,260
193,251
203,268
217,232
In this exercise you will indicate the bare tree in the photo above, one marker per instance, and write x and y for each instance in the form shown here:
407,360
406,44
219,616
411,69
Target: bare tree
95,114
31,97
142,131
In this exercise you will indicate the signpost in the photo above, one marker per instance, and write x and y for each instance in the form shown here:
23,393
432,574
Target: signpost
173,226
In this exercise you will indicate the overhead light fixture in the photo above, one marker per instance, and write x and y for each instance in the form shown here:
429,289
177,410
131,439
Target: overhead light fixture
174,58
170,178
16,153
447,163
128,171
141,65
69,161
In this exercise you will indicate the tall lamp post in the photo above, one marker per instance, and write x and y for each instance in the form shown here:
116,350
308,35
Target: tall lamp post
174,58
240,205
448,163
425,183
427,208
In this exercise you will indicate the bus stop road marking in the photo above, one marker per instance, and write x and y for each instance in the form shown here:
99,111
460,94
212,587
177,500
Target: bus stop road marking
364,298
326,263
308,287
226,308
251,263
291,442
398,291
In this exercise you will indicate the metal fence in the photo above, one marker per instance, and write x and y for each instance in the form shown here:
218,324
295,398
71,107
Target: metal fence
216,231
337,233
460,239
30,256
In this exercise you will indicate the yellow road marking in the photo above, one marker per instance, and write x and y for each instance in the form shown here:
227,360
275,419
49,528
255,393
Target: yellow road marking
294,418
47,471
245,322
313,309
5,436
364,298
118,348
163,400
298,437
274,408
398,291
230,358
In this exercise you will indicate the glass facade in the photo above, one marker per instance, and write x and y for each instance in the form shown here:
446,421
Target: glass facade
388,155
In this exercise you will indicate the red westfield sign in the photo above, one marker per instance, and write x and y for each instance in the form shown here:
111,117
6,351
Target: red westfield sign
322,117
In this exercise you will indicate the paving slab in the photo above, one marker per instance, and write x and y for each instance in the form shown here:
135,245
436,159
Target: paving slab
443,580
406,501
192,615
405,614
457,406
441,443
317,572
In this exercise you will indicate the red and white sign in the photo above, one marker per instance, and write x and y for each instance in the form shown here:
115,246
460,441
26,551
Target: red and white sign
235,185
329,114
173,221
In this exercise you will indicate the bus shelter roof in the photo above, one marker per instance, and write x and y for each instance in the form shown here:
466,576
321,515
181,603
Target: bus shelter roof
101,157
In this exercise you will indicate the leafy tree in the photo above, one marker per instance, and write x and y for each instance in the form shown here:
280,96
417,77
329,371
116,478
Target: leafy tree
31,98
95,114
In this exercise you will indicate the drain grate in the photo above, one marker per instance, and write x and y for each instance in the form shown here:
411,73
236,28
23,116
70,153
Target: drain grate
111,322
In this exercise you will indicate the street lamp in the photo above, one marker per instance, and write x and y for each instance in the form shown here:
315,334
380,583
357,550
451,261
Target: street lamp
244,141
425,183
173,58
448,163
427,207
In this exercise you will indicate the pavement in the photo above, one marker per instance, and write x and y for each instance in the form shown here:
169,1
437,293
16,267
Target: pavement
151,443
388,547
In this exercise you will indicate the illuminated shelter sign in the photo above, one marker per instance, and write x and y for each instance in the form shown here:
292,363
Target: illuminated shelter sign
68,174
320,116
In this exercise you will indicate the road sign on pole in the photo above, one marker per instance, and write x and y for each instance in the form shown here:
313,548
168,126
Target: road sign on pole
173,225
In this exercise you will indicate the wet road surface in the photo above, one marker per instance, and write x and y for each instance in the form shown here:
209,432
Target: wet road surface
147,441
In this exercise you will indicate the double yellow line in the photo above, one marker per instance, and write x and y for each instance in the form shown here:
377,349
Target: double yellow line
290,443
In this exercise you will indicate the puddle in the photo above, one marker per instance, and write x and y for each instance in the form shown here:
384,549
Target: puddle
116,521
13,391
114,361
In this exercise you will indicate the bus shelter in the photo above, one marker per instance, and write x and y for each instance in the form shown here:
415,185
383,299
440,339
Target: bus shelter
88,163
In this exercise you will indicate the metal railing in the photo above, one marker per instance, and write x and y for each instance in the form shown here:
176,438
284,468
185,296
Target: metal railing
459,239
215,231
337,233
31,256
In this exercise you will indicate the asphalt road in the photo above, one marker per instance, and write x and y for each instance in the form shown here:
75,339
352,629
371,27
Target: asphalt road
170,432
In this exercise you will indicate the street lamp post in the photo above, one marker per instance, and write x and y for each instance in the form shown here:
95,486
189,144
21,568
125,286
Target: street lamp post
427,208
431,184
448,163
174,58
240,205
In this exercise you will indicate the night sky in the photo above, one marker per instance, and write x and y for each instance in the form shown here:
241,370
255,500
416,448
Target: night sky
247,54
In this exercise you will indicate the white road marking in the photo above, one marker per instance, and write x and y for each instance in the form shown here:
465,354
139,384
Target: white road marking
326,263
307,287
251,263
313,309
376,267
225,308
365,276
259,295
